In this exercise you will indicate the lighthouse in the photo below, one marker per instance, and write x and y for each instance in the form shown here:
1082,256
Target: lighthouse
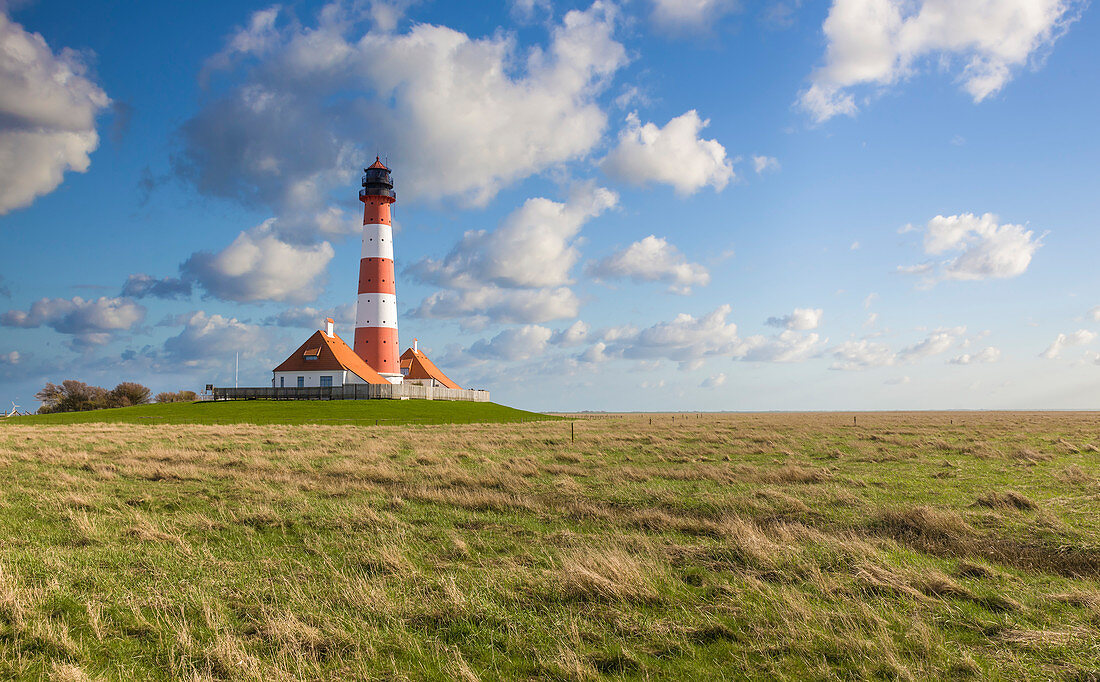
376,310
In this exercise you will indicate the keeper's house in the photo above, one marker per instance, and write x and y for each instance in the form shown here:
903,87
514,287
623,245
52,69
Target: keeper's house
324,360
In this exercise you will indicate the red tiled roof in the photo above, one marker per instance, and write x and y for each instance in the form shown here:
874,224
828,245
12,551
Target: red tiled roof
332,354
420,367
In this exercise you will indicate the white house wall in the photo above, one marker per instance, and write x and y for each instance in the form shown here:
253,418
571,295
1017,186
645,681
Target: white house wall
313,378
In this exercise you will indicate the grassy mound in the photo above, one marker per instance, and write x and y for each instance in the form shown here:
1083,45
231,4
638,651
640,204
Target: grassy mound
261,412
721,547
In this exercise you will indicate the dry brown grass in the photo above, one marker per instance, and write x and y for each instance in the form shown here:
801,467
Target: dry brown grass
796,545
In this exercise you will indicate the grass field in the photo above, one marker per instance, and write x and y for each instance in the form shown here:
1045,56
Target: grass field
720,547
263,412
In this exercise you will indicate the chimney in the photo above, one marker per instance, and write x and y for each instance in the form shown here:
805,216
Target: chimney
414,346
328,326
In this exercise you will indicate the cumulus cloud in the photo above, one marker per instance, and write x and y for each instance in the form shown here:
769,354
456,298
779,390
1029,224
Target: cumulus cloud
459,116
685,339
141,285
801,319
714,380
689,341
673,155
866,353
48,107
1081,337
983,248
692,14
259,266
90,322
985,355
518,272
861,354
1094,313
11,358
313,318
574,334
517,343
653,259
935,343
877,43
763,164
533,247
481,305
787,346
208,340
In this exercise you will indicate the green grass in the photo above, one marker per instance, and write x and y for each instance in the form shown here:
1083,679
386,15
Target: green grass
710,548
333,412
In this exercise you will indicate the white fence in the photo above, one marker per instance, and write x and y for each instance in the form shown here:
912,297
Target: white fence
353,392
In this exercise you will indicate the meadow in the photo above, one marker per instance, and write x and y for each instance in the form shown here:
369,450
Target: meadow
686,547
264,412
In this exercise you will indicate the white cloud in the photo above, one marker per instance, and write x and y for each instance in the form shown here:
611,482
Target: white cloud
208,340
48,108
674,155
458,116
689,341
898,381
762,164
1094,313
517,343
653,259
984,249
935,343
314,318
533,247
1081,337
686,339
880,42
518,272
574,334
91,322
865,353
714,380
11,358
694,14
787,346
802,319
484,304
985,355
259,266
861,354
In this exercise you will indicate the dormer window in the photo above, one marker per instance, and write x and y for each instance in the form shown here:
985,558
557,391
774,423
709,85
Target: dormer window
311,353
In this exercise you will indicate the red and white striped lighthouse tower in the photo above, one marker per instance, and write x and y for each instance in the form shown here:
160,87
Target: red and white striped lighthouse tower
376,311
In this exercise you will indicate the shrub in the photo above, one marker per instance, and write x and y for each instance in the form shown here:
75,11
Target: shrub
176,397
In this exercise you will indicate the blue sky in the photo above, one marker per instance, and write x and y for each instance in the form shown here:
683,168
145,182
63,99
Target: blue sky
645,205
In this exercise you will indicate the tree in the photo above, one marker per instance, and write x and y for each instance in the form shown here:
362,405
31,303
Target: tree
71,396
128,393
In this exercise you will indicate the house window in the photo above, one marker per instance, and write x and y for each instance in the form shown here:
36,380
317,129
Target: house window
326,382
301,382
282,382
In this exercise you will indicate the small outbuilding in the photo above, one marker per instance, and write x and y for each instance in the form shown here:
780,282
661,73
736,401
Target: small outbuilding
416,368
324,360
